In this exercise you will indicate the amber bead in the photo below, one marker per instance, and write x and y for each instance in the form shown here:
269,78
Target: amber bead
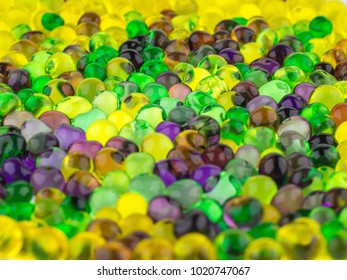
177,46
90,17
226,25
264,116
163,25
113,251
106,160
18,79
190,156
191,139
199,38
123,145
107,229
35,36
339,113
54,119
87,28
81,183
218,154
243,35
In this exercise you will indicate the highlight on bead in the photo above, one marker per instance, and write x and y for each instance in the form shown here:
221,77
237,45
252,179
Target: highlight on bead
197,129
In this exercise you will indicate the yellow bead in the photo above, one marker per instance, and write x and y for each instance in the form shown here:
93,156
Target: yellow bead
11,238
120,118
252,51
158,145
89,88
230,74
119,67
133,103
131,203
153,249
165,229
60,63
342,148
264,249
107,101
49,244
64,32
226,99
341,132
194,76
73,106
109,213
136,222
83,245
270,214
16,58
194,246
111,20
327,95
102,131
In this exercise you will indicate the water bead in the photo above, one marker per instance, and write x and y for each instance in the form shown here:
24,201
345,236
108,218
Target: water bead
11,244
79,242
59,63
171,170
264,249
67,135
85,120
156,144
153,249
73,106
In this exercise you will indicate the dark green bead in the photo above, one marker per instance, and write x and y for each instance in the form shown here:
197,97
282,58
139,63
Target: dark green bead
152,53
71,204
20,211
322,123
25,93
320,26
234,130
95,70
106,52
264,230
40,82
331,228
69,230
135,28
154,67
322,214
238,113
3,207
240,20
51,21
87,59
240,169
11,145
155,91
197,100
257,77
19,191
243,68
142,80
337,246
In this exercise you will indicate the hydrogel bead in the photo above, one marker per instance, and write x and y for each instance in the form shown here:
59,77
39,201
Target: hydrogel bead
81,183
106,101
155,91
134,102
136,223
76,161
9,102
320,95
85,120
83,245
113,251
152,113
149,186
320,26
264,249
194,246
339,113
73,106
231,244
289,198
301,60
48,244
153,249
136,130
185,191
133,168
260,137
341,132
105,228
164,208
102,131
119,67
252,51
59,63
276,89
291,237
120,118
242,212
11,238
157,145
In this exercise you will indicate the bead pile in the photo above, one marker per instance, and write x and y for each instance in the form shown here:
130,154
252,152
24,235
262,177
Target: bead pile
146,129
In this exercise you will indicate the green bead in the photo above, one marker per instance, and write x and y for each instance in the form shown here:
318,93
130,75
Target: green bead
240,169
34,69
25,93
321,77
80,220
5,88
54,45
238,113
155,91
267,38
223,187
68,230
106,53
215,111
136,131
41,57
343,217
301,26
154,67
124,89
212,63
182,68
51,21
133,15
243,68
291,75
210,208
11,145
197,100
40,82
38,103
19,191
142,80
136,27
153,114
305,37
331,228
3,208
147,185
139,163
19,30
102,39
260,137
234,130
107,101
168,103
264,230
152,53
103,197
186,191
322,214
337,246
301,60
118,180
213,85
9,102
320,26
111,83
257,77
240,20
94,70
86,119
231,244
20,211
90,58
72,204
276,89
314,109
322,123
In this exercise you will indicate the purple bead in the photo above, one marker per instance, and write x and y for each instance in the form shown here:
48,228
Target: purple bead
267,64
123,145
170,129
13,169
279,53
293,101
163,207
171,170
202,173
168,79
68,134
245,91
304,90
52,157
259,101
29,163
47,177
231,56
89,148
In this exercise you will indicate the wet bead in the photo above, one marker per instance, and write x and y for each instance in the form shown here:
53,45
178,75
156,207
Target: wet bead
106,160
264,249
11,237
320,26
149,186
260,137
46,177
171,170
231,244
289,198
153,249
190,156
113,250
102,131
132,167
162,207
81,183
200,248
11,145
51,157
14,169
260,187
324,155
83,240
